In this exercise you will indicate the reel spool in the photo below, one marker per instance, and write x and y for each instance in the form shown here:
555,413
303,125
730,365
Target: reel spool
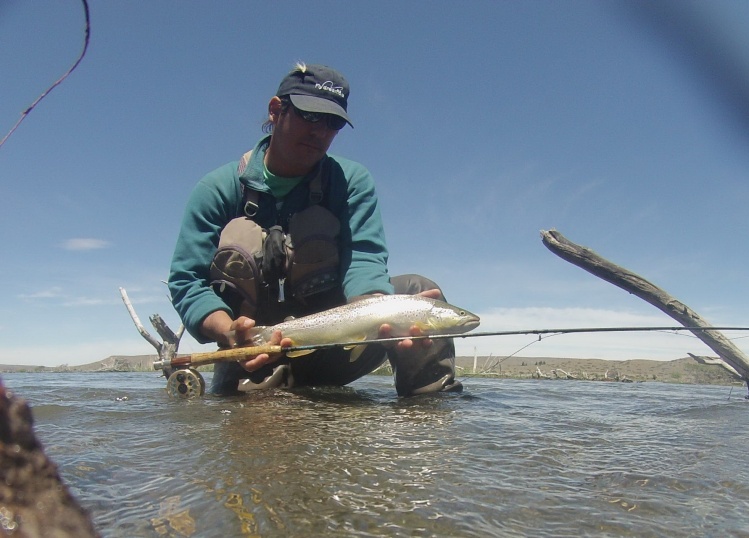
186,383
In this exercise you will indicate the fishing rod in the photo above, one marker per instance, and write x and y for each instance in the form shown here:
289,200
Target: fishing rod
236,353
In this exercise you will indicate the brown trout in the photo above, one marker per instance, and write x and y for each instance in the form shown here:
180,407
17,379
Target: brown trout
361,320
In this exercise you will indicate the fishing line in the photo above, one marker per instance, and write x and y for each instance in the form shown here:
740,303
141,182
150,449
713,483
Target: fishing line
526,346
674,331
529,344
697,338
238,352
59,80
736,338
540,332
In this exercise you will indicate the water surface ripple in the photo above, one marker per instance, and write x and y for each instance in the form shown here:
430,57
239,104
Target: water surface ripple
506,458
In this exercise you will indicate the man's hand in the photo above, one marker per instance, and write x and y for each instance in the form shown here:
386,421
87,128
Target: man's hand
230,333
411,346
242,328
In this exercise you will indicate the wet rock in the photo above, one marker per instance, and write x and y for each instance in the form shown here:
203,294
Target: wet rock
34,502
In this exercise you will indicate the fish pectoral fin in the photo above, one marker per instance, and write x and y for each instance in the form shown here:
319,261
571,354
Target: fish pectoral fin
353,340
356,352
356,349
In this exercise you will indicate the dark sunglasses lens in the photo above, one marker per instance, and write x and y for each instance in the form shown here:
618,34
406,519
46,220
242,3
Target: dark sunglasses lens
336,122
312,117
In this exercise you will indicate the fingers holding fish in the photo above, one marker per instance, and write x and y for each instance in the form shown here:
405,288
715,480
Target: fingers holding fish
242,327
423,343
431,294
386,331
414,346
255,362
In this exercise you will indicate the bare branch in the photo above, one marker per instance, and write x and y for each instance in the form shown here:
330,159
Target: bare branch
638,286
141,329
717,362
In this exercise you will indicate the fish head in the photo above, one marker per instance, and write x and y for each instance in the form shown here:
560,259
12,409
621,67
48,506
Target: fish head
444,318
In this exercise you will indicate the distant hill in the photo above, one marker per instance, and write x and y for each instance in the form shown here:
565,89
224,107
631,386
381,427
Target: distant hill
684,370
113,363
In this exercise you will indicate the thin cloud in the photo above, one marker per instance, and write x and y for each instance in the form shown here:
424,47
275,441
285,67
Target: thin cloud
50,293
86,301
84,243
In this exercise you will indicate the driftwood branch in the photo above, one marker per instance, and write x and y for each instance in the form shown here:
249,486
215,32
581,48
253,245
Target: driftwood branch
645,290
141,329
702,359
167,349
164,331
566,375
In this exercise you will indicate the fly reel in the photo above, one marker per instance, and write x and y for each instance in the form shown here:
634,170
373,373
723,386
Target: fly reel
186,383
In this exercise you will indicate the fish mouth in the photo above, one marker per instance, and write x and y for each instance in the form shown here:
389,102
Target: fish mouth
471,324
470,320
463,327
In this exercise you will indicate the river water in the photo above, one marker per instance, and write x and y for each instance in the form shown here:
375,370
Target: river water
505,458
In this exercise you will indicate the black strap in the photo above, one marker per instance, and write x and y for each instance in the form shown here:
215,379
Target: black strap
317,185
274,255
251,198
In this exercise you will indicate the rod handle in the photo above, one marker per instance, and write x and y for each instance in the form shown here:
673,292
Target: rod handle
223,355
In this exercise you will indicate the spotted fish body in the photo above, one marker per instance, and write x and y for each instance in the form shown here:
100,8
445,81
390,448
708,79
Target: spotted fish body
361,320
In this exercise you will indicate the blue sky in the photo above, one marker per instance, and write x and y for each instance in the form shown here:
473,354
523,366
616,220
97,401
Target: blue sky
483,122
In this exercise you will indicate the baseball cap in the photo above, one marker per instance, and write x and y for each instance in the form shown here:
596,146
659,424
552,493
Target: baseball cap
317,88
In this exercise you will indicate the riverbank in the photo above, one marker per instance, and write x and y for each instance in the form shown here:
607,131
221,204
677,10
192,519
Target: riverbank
684,370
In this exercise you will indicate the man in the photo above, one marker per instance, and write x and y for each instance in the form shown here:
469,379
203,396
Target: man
288,231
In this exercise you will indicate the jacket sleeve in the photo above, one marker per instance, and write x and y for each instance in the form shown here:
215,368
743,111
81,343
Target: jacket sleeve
364,253
212,204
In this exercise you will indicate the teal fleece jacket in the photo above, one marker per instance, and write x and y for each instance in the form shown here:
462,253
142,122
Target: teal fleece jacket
217,199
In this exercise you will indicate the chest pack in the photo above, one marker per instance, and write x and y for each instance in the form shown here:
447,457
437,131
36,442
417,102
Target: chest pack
254,266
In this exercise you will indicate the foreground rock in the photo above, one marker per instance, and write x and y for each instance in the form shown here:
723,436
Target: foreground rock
34,502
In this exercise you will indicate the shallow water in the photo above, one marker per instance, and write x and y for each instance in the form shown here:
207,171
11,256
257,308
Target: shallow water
505,458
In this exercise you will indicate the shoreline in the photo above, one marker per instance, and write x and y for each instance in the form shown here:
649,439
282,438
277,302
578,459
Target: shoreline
684,370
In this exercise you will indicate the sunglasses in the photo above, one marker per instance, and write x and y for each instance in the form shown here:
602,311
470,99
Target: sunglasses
334,122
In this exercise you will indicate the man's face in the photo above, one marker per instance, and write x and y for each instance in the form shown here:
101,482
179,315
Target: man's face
296,145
